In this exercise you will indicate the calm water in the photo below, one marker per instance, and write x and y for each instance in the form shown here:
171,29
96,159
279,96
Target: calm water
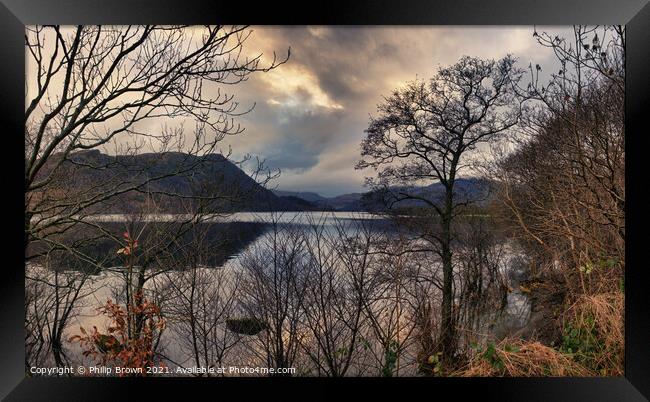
109,283
263,217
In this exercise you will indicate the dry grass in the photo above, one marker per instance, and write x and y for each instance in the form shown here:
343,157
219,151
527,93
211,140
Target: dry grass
601,317
594,345
517,358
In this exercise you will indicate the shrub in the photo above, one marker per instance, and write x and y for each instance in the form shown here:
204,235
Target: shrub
119,347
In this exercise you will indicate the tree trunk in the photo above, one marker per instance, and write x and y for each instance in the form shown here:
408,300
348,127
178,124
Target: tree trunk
447,330
28,218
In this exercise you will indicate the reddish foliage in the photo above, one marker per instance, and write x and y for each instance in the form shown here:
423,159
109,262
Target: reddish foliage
131,245
116,346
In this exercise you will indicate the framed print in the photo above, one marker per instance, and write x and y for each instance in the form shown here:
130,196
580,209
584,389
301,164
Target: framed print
387,195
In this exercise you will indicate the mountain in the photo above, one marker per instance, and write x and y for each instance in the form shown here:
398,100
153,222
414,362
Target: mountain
345,202
174,181
300,204
475,190
303,195
465,189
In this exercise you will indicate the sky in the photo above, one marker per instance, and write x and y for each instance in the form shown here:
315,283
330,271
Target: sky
310,113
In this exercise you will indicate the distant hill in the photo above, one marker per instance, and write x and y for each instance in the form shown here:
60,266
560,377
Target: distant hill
345,202
300,204
474,190
466,189
303,195
176,182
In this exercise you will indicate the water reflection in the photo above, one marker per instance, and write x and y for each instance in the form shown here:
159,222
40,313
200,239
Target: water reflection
169,247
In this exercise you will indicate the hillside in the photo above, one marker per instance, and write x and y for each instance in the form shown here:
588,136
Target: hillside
303,195
344,202
171,182
466,189
177,183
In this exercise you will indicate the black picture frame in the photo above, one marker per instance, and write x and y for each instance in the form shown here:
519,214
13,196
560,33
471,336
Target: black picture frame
635,14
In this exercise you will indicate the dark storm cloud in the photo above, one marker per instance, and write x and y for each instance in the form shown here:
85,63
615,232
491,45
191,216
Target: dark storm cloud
301,139
312,111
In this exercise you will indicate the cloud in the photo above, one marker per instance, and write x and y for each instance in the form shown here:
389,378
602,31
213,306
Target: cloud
312,111
295,86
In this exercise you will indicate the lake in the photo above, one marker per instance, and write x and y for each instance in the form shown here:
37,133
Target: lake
234,234
266,217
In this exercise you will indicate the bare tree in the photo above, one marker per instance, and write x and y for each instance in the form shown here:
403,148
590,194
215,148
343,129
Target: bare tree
425,132
564,184
335,301
390,306
52,298
481,285
200,300
272,292
104,88
99,87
